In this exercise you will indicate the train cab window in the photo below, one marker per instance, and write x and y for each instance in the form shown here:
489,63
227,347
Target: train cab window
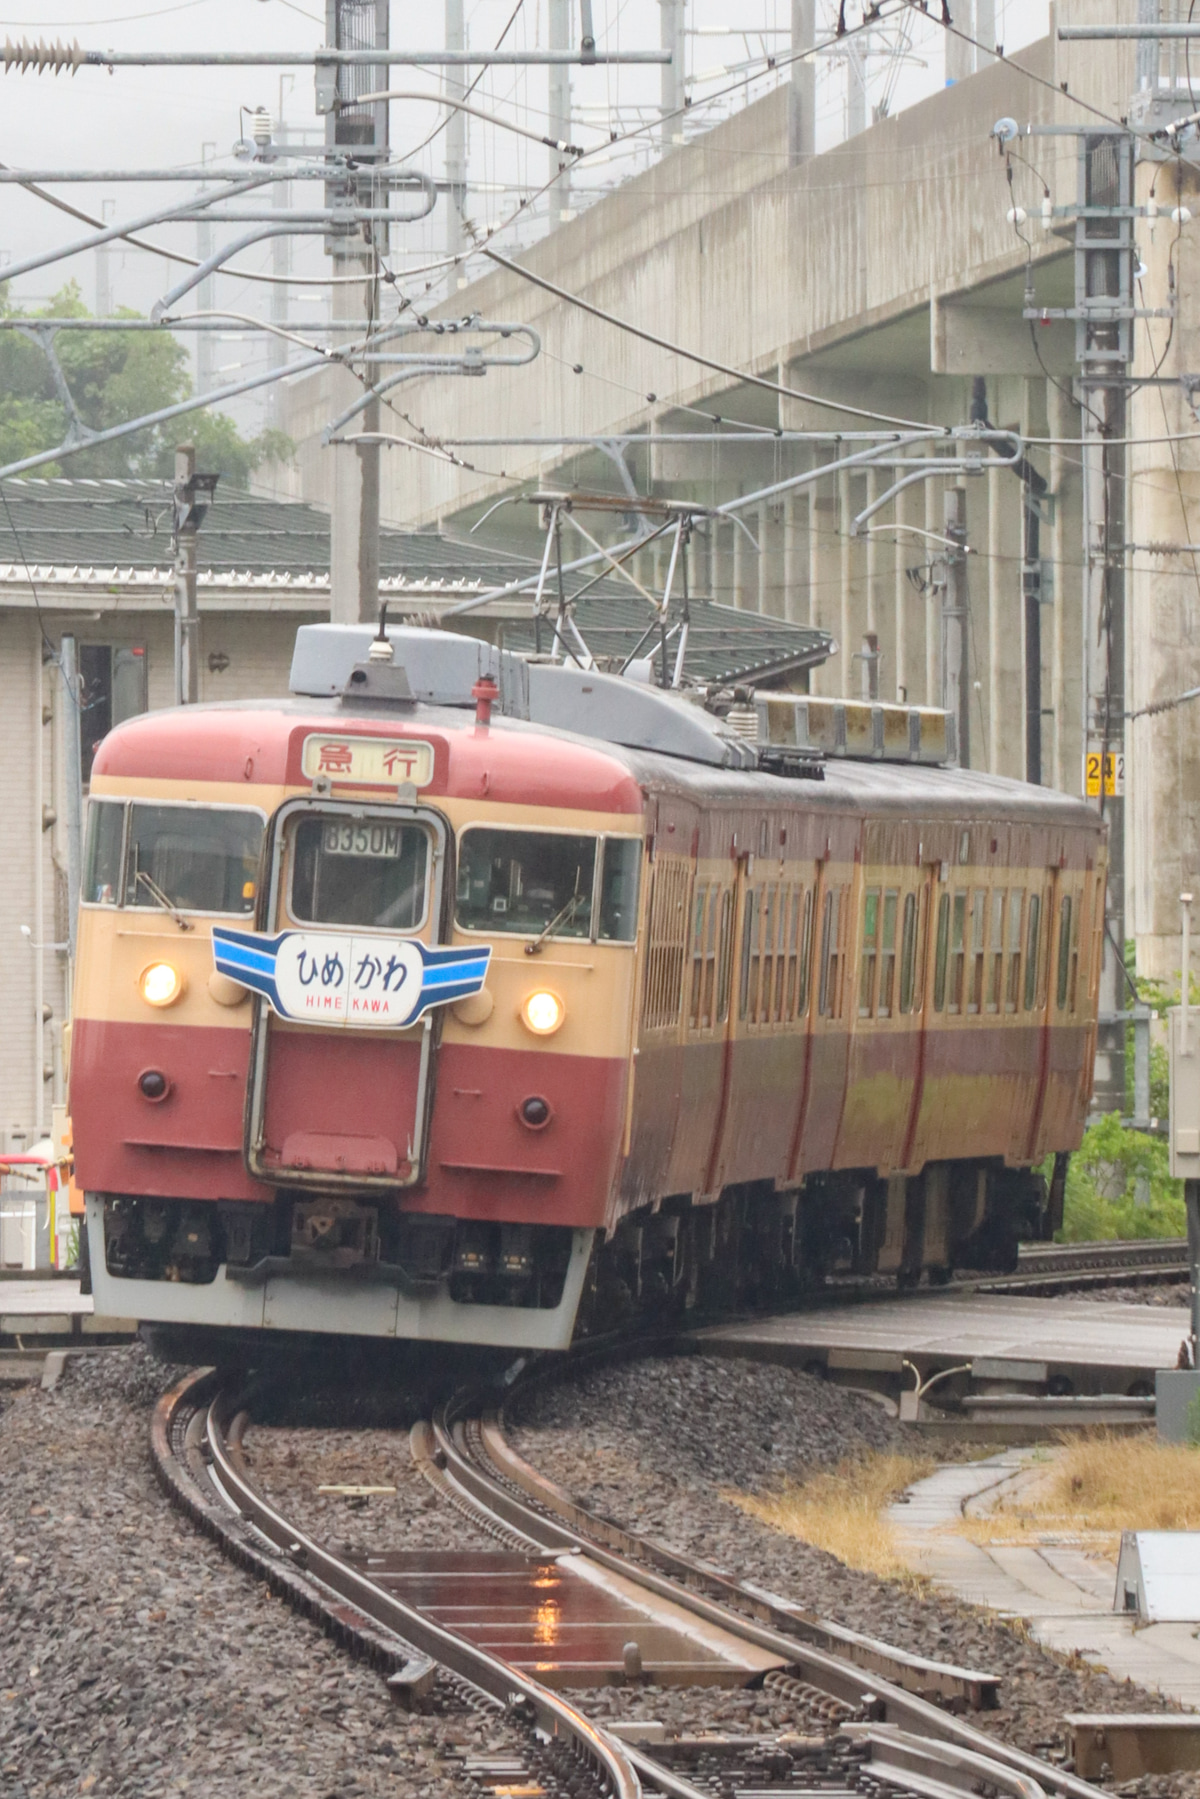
870,950
368,871
1064,951
908,953
519,882
193,858
941,953
105,837
1033,951
1016,908
958,956
620,864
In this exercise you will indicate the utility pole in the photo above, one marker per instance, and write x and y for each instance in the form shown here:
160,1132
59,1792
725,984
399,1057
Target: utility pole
193,496
354,523
281,268
206,342
1105,256
802,91
956,688
104,265
672,22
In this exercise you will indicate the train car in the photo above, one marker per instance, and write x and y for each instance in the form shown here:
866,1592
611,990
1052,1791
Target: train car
473,998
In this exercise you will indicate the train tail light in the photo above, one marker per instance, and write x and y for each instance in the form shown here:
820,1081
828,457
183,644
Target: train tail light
542,1012
160,984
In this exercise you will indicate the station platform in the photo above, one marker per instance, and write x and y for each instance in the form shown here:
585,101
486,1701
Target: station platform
1097,1344
41,1307
1061,1587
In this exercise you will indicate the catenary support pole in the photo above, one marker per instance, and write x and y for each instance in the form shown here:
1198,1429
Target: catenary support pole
187,620
802,89
956,690
559,110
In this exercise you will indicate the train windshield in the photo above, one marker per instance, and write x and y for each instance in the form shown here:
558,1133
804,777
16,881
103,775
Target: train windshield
184,858
524,883
194,858
369,872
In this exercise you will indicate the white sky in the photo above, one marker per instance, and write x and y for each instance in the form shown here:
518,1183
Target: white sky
165,116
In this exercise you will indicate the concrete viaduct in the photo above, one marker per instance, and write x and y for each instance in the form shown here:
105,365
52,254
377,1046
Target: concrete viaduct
882,275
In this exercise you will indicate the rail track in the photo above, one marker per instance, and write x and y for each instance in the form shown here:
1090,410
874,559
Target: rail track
1058,1267
873,1721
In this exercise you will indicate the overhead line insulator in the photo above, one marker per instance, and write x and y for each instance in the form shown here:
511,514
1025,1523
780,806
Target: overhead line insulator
25,54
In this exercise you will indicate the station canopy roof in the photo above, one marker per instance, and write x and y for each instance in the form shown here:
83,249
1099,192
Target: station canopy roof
118,532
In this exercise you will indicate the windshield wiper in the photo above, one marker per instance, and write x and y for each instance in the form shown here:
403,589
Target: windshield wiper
560,918
160,898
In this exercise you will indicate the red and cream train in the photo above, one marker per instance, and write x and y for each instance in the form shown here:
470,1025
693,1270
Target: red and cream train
458,992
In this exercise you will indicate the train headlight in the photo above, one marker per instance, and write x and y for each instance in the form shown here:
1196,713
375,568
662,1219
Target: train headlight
160,984
542,1012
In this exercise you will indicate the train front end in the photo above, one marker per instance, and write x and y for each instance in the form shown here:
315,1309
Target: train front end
353,1021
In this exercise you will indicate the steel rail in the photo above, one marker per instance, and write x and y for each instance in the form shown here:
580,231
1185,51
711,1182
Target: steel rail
843,1678
605,1757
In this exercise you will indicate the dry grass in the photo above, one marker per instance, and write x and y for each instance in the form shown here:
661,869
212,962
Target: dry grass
1099,1485
842,1511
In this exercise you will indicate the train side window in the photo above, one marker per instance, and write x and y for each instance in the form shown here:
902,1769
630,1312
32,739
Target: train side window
724,956
866,976
941,953
785,950
995,970
887,953
908,954
1078,930
102,866
1032,950
805,954
831,955
770,932
794,907
751,953
1064,950
958,955
668,941
979,900
700,913
1016,908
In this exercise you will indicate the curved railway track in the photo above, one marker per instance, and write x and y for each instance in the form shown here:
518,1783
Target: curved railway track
878,1722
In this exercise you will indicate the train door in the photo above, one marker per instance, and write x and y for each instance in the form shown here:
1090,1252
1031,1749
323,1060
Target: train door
723,1125
340,1095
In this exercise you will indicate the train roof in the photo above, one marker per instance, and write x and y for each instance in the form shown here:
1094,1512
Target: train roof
260,742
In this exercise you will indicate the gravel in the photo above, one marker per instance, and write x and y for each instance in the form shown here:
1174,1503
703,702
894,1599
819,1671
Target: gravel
652,1444
136,1661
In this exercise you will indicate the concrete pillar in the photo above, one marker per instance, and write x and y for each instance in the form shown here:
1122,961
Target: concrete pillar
792,598
824,582
740,549
559,108
455,136
802,90
845,631
672,16
856,86
1163,625
960,57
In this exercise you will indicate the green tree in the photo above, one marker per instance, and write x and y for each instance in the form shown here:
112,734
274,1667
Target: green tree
113,376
